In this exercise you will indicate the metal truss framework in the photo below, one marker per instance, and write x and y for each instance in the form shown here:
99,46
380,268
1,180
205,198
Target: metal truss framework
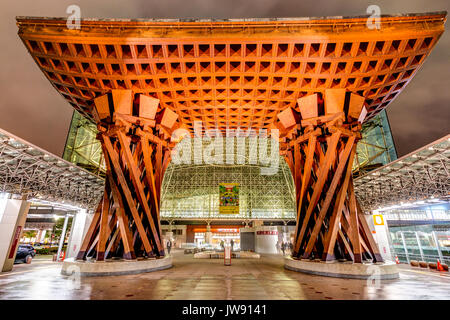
27,170
192,191
420,175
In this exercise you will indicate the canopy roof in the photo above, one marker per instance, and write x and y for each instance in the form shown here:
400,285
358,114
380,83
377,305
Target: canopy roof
231,73
30,171
420,175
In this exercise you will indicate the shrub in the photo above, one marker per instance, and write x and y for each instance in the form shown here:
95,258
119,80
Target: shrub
51,250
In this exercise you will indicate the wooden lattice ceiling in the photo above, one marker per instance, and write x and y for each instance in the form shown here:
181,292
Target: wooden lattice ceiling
231,73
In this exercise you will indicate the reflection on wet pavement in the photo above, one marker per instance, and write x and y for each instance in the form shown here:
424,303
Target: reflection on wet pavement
200,279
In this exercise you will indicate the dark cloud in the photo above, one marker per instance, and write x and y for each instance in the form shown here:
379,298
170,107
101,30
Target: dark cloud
31,108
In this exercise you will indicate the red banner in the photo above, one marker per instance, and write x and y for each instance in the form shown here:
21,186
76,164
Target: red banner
267,233
15,242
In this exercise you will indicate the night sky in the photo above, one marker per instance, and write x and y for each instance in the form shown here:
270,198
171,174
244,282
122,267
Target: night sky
32,109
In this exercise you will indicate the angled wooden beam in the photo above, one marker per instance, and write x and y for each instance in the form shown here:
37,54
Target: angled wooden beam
158,167
135,178
330,239
103,233
147,150
125,233
297,168
346,244
305,177
343,162
354,224
115,236
128,196
323,173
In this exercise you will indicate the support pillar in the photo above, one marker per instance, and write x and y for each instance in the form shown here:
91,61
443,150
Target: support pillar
42,238
420,246
285,235
319,144
38,237
79,228
13,214
62,238
438,247
379,227
257,223
404,246
208,233
134,134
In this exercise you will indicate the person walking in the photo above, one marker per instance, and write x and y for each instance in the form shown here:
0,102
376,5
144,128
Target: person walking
169,246
232,244
283,247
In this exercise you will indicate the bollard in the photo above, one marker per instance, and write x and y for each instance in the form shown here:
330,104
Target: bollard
227,256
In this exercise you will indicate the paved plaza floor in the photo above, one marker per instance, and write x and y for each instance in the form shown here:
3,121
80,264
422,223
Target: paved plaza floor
209,279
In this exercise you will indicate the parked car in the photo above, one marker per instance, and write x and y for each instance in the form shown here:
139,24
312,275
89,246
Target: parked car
208,247
25,253
189,248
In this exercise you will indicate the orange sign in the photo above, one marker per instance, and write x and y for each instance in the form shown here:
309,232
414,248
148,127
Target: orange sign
378,220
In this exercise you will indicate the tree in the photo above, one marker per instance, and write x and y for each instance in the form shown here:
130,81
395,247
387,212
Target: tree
29,234
57,229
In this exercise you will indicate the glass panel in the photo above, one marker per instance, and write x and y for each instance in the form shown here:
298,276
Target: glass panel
443,237
427,242
82,147
376,148
193,191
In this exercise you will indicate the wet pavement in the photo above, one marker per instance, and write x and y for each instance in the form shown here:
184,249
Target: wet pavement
206,279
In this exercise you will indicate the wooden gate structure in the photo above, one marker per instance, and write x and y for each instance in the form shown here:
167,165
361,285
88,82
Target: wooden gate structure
315,80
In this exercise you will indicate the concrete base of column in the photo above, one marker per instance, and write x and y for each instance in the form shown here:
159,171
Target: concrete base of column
375,271
114,267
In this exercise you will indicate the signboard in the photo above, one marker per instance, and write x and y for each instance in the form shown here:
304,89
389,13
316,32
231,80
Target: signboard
228,230
229,198
267,233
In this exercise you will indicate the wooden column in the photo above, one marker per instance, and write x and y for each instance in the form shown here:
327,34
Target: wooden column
132,131
320,138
